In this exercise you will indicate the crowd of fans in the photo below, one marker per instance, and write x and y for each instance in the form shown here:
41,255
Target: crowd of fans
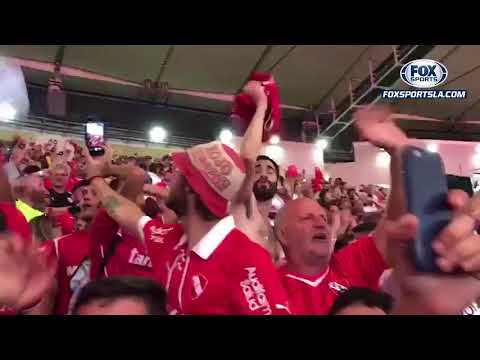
214,231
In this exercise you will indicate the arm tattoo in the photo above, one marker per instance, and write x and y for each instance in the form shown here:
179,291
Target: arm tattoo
111,204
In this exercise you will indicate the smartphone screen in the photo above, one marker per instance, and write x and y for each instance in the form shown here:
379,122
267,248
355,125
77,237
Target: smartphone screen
426,192
94,137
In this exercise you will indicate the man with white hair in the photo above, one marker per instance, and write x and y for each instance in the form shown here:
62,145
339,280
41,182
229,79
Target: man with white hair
59,196
314,276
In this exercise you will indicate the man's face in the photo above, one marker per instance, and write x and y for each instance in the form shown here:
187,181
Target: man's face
59,177
86,198
82,167
360,309
305,232
265,181
121,306
36,192
69,152
177,197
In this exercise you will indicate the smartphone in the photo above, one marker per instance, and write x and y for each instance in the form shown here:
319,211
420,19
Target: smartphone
426,192
94,138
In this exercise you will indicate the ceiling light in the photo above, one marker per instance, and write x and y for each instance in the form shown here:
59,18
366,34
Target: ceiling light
158,134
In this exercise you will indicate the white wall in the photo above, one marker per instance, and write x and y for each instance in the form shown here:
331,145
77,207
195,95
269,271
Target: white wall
304,156
460,158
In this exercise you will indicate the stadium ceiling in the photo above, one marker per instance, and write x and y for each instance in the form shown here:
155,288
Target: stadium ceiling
312,78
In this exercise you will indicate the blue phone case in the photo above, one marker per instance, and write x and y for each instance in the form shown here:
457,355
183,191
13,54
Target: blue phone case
426,191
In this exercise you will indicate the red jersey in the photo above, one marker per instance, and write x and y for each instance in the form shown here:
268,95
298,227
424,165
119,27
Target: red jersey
357,265
225,273
73,267
129,256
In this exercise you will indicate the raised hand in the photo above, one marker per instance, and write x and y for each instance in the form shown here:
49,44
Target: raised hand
26,272
375,125
457,247
99,165
256,91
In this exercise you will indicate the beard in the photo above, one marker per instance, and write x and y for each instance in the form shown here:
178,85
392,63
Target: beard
177,203
264,192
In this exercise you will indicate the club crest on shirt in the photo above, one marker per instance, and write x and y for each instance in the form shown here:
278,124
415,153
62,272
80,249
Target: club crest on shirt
158,233
337,287
199,283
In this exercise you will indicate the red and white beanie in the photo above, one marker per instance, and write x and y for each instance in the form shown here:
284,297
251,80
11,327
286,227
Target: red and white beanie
214,171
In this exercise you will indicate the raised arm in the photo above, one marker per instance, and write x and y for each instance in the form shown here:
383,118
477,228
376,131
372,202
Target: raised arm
376,126
122,210
252,140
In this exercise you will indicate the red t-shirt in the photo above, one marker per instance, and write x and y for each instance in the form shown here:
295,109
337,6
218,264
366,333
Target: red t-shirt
357,265
224,274
129,256
73,267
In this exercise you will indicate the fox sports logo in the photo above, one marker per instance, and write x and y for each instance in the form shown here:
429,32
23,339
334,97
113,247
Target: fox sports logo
424,73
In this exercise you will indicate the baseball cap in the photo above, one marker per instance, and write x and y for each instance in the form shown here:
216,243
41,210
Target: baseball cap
214,171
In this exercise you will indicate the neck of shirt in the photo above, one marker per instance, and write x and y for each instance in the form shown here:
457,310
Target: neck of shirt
308,270
59,190
196,229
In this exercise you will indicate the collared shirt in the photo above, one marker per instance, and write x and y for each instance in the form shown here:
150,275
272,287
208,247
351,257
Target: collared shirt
129,256
357,265
224,273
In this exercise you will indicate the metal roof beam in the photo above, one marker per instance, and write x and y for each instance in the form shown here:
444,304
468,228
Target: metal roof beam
255,67
384,75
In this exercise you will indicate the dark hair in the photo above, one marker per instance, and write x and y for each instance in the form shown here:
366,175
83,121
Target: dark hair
365,227
275,165
200,207
362,296
80,184
31,169
114,288
203,211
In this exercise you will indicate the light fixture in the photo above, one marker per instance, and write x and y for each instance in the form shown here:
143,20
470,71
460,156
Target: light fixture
322,144
274,140
226,136
7,111
432,147
382,160
476,160
318,156
158,134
